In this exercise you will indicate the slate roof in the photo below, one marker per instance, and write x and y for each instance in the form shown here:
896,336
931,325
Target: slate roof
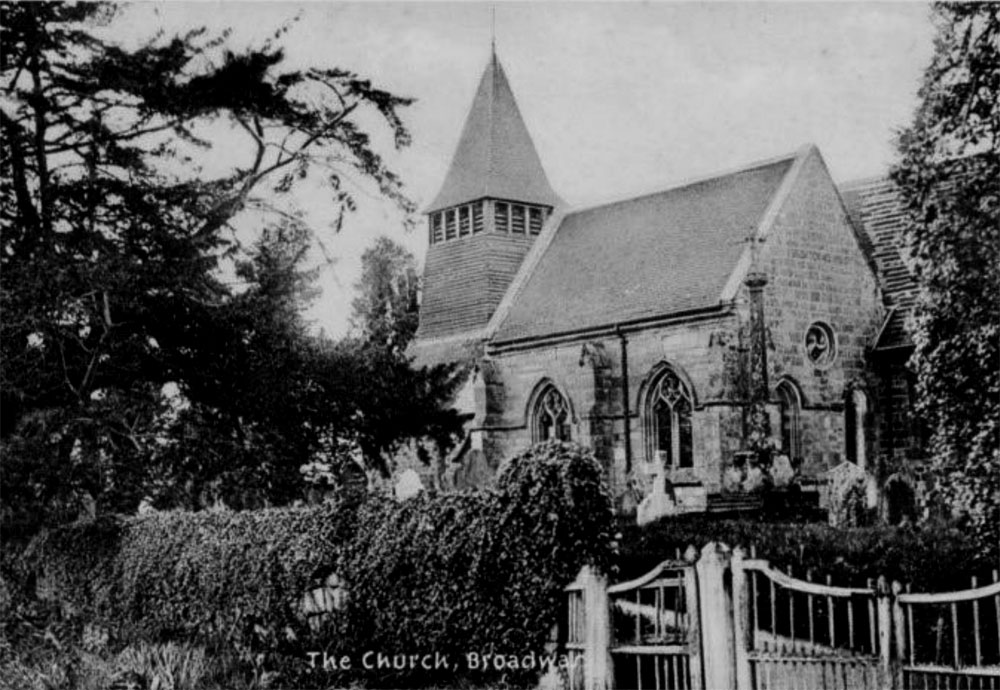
876,209
654,255
495,156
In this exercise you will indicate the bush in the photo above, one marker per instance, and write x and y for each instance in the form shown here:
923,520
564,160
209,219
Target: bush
479,571
209,576
932,558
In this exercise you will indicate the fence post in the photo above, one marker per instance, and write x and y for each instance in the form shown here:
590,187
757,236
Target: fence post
716,613
884,634
694,618
597,673
741,620
899,632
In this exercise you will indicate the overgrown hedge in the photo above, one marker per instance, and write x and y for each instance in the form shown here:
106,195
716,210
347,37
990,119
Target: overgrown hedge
479,571
932,558
206,576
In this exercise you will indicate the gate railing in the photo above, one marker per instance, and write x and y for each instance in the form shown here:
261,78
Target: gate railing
655,631
721,620
792,633
949,640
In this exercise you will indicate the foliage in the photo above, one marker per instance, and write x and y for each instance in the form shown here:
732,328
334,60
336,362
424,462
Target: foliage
949,174
477,571
385,310
210,576
168,666
149,348
448,574
931,558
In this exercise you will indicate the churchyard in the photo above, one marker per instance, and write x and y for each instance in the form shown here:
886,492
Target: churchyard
737,434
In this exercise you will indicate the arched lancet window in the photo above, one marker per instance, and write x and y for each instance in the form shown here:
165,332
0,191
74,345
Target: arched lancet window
790,405
668,422
550,416
856,428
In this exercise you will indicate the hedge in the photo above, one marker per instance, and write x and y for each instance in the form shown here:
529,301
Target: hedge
207,576
481,572
932,558
477,571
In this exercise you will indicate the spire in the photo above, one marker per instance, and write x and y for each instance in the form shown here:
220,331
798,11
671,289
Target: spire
495,157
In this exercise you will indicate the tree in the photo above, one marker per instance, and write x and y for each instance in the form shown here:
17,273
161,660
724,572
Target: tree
385,311
122,273
949,175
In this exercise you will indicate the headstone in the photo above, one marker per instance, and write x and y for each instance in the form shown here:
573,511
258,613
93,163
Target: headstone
781,471
660,502
732,479
756,479
408,485
847,490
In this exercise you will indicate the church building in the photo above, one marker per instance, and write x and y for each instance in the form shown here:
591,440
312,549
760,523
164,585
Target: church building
653,329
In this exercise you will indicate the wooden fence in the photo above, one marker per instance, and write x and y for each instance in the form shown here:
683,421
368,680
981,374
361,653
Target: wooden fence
722,619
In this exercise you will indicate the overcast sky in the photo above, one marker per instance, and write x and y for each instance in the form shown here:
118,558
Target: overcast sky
620,98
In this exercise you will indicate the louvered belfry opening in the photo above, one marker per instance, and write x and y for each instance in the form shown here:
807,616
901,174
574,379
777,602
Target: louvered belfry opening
470,219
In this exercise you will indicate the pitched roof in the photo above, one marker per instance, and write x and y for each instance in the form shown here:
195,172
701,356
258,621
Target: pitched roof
654,255
495,156
876,209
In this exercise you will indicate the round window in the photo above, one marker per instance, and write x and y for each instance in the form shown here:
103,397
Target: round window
821,346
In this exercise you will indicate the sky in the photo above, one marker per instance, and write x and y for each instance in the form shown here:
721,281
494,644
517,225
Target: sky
620,98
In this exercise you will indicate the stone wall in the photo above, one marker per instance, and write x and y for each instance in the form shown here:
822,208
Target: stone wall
817,271
697,351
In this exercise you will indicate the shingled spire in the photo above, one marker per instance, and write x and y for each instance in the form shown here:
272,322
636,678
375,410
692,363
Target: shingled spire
495,157
493,203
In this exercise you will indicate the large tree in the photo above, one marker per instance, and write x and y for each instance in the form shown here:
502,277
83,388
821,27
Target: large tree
385,310
139,325
949,174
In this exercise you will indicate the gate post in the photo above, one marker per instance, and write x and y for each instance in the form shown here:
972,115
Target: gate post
597,643
694,618
884,634
741,621
716,614
899,633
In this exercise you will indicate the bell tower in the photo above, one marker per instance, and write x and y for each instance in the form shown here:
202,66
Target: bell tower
491,207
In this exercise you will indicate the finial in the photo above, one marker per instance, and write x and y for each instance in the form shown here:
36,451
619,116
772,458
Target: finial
493,30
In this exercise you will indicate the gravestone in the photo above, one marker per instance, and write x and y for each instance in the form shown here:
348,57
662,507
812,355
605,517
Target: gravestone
847,494
408,485
782,472
660,501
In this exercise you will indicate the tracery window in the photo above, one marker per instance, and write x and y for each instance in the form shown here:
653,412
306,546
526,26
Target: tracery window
790,406
551,416
668,422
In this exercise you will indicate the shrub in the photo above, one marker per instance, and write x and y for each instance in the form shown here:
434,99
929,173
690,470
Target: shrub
208,576
477,572
930,558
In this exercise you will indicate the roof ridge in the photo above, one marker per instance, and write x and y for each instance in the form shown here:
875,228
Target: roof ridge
687,182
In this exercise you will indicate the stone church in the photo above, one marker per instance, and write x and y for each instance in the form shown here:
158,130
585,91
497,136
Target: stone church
651,328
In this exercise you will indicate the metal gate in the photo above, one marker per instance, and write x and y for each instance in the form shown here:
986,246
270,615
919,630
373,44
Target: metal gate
655,636
793,634
721,621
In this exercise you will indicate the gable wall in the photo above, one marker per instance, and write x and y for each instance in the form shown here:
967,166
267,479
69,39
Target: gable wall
817,271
